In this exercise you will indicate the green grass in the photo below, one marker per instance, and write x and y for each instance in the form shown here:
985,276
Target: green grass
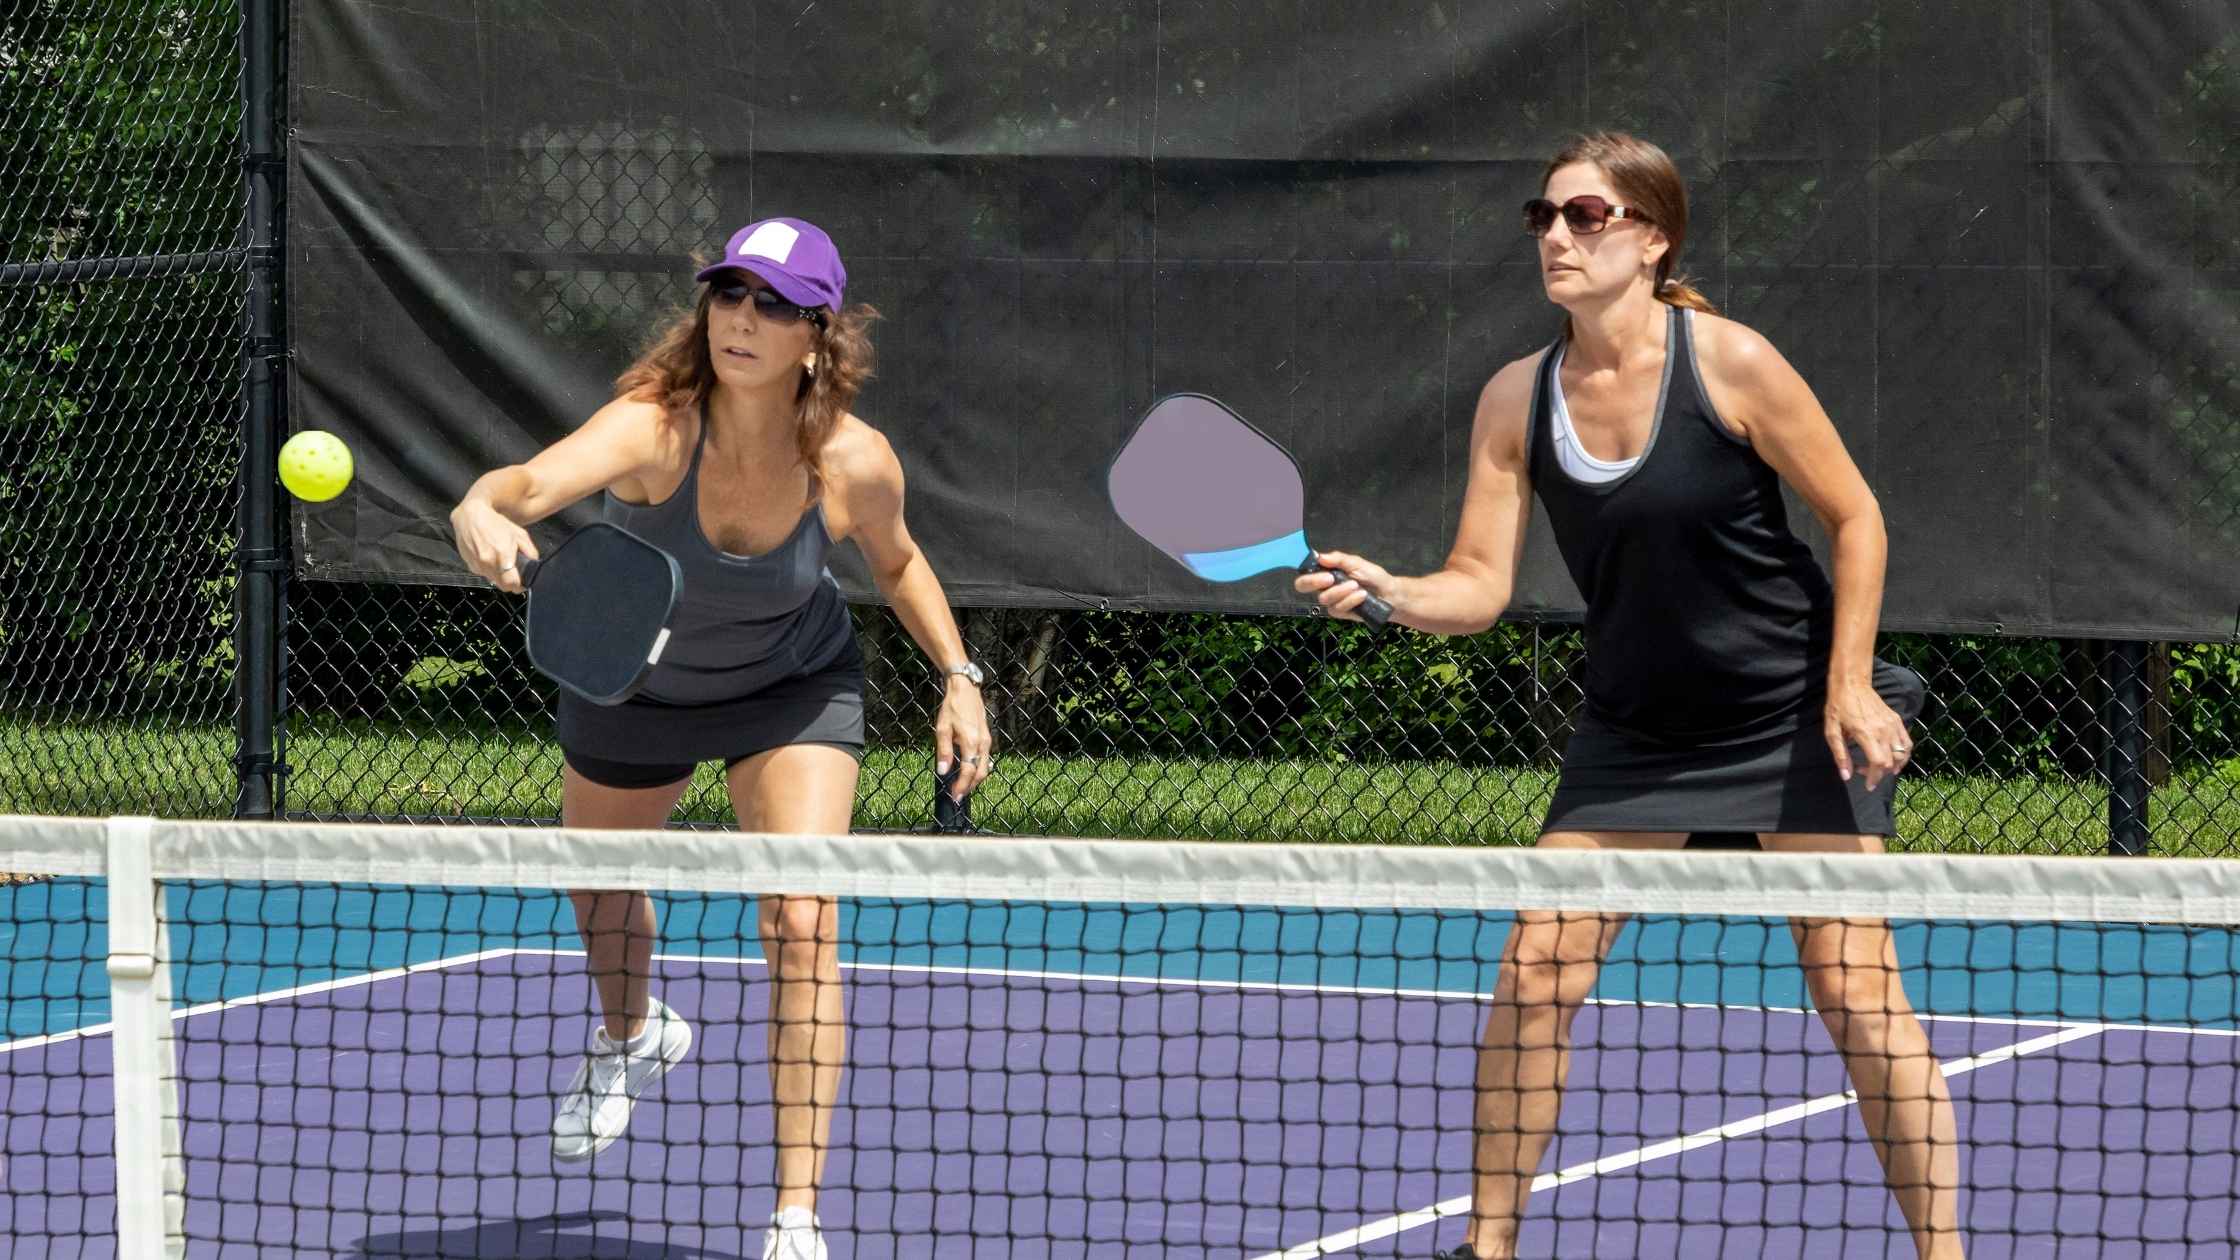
368,768
169,768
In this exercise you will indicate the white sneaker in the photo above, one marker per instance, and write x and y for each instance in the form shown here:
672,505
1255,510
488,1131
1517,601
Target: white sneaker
596,1107
793,1236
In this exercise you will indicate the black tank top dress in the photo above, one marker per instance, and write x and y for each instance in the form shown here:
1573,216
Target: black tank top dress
1708,624
761,652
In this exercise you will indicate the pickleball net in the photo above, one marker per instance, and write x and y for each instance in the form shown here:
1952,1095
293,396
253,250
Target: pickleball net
1069,1048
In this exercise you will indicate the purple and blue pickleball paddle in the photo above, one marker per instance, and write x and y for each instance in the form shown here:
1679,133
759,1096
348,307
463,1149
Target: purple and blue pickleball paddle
1198,482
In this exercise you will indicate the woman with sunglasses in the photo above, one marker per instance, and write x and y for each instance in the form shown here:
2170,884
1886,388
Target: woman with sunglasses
729,445
1732,693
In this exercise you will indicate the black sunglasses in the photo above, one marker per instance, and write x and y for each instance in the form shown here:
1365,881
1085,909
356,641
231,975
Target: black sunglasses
767,303
1585,216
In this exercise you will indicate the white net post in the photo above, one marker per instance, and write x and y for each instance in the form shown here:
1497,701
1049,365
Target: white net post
151,1202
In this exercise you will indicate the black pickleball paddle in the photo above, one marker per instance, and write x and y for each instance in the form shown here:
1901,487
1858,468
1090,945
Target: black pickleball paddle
599,610
1220,497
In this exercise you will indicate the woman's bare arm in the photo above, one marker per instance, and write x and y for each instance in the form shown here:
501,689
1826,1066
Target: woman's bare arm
618,442
1767,401
865,465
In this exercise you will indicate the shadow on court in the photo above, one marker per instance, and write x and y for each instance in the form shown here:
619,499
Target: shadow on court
559,1236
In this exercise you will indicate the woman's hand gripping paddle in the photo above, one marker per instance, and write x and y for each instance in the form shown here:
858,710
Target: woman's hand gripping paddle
599,609
1220,497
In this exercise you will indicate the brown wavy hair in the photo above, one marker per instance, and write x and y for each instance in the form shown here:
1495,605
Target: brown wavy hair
675,371
1645,177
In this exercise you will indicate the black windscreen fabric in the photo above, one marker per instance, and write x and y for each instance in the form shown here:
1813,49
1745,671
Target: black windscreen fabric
1995,238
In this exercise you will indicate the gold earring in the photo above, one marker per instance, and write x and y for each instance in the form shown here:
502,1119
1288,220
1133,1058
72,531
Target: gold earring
809,365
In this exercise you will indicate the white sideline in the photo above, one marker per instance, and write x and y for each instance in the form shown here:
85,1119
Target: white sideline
1085,977
1348,1239
301,990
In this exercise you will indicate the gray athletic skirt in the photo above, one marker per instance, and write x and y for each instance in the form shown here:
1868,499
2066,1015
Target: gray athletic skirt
1618,781
824,706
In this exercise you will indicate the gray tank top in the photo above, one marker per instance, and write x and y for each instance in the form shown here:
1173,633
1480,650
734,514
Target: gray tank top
742,622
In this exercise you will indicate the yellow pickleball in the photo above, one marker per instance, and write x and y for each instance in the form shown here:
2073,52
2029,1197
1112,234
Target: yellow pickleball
315,466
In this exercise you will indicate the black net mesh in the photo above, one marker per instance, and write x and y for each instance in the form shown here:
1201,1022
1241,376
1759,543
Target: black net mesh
121,318
387,1041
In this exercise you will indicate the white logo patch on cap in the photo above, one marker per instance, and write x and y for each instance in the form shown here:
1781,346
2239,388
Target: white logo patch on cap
773,241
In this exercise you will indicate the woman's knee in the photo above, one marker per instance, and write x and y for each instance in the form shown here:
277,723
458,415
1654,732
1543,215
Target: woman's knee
1864,1001
1552,959
606,910
804,922
1851,968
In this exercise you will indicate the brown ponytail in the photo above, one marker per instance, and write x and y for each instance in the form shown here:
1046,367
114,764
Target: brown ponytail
675,371
1643,177
1683,293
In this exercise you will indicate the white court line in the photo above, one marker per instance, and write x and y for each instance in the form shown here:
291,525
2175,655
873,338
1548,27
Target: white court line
301,990
1347,1240
100,1029
1454,995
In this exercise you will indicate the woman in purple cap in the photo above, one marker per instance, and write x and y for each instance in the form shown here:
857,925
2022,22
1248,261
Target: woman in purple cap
1732,691
729,445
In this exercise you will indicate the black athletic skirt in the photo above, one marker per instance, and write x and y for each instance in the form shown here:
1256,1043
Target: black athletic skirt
638,742
1724,793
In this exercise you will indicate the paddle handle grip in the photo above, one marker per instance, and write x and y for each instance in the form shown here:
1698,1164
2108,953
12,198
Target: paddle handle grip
949,813
1372,610
527,565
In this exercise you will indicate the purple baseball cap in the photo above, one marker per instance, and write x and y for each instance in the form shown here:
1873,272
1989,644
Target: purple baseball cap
793,256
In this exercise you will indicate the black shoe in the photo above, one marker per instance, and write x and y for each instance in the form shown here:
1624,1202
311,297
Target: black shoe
1462,1252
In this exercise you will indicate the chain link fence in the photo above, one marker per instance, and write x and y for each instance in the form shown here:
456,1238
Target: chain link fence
418,702
122,313
123,326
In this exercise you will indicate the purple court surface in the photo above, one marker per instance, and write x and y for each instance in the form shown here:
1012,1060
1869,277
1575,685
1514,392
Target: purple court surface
994,1114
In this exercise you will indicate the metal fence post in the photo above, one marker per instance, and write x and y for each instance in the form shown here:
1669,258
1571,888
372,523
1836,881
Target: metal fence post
263,555
2128,787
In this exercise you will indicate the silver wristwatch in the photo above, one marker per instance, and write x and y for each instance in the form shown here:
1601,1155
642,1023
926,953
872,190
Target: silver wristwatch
970,672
